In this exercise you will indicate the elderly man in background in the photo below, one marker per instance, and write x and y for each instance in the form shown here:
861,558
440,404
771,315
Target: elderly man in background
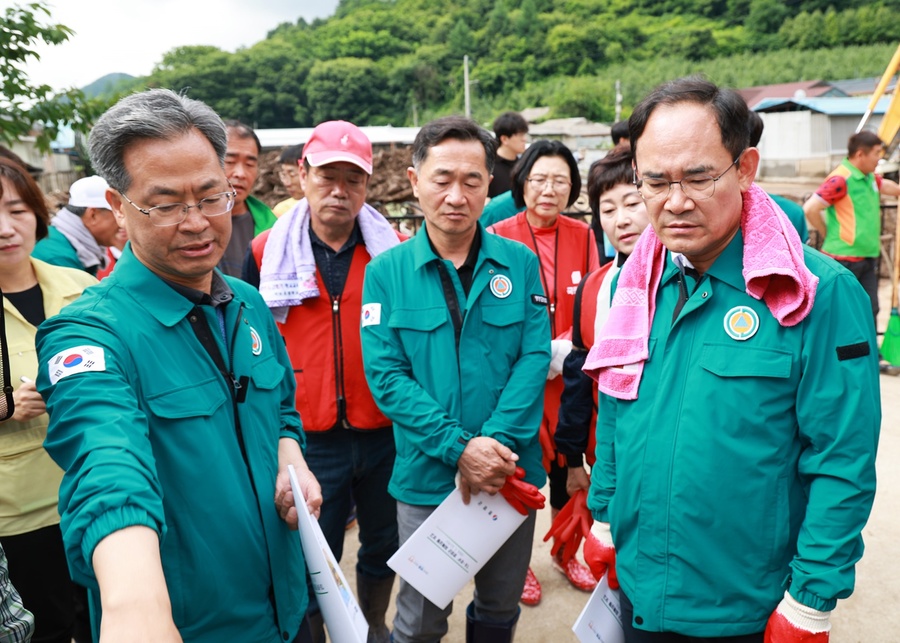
249,216
81,232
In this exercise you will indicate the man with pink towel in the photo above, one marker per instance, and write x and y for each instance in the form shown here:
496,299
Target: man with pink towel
740,411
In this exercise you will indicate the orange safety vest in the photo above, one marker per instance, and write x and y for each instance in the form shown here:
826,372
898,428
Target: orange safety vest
323,343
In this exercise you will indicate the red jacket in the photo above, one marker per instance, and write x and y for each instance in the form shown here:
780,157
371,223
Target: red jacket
575,253
322,339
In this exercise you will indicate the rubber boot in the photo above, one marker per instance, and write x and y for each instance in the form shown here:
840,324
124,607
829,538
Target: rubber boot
483,632
374,598
316,626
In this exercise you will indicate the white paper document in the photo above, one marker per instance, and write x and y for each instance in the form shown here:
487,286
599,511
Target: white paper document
344,619
601,619
453,543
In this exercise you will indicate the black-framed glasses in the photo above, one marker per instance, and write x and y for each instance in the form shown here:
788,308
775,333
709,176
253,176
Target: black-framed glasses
695,187
169,214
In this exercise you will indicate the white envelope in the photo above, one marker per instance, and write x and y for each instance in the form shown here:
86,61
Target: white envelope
601,619
344,619
454,543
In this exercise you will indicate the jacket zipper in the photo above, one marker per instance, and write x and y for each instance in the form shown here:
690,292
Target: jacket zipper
337,340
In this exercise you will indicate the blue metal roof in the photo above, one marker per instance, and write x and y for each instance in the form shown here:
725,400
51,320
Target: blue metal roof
833,106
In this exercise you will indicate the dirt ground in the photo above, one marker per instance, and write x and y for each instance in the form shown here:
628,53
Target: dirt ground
870,615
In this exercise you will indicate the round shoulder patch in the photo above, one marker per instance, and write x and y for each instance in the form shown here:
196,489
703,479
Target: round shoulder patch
256,342
501,286
741,323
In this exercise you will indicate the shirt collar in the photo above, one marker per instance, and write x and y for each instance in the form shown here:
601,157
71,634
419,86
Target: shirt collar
220,292
474,249
351,242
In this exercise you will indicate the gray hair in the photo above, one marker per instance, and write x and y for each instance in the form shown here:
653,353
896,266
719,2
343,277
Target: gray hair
158,114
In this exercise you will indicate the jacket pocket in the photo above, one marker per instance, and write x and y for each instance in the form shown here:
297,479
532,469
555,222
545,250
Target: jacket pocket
268,373
423,319
200,399
729,360
505,314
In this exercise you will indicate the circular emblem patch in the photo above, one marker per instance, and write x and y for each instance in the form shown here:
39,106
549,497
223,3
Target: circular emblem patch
741,323
256,345
501,286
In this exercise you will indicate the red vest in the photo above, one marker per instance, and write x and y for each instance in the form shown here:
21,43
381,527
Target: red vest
323,342
588,295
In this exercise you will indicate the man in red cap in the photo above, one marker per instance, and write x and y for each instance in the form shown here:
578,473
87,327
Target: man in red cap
309,268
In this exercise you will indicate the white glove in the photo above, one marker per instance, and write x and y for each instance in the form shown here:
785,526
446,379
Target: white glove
559,349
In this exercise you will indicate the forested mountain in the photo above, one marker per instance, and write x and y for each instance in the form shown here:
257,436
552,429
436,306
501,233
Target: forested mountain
394,61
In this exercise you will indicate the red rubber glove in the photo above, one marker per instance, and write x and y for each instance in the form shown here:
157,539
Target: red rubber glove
520,494
571,525
794,622
600,553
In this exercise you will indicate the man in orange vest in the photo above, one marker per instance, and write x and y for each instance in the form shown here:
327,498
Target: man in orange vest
309,268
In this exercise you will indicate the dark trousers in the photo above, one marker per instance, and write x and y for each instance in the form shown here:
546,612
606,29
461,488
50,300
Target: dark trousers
356,466
38,570
866,271
633,635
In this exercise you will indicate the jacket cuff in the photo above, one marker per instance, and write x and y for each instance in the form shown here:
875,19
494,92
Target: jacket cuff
811,600
574,461
115,520
456,448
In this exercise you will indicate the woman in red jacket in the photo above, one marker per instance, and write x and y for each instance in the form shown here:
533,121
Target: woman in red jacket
546,181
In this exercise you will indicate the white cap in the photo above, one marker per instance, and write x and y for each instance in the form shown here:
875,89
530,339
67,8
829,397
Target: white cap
89,192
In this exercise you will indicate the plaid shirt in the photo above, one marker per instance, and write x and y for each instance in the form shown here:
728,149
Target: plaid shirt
16,622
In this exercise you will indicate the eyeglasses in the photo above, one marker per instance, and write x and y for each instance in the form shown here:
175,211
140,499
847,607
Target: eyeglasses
169,214
540,182
696,188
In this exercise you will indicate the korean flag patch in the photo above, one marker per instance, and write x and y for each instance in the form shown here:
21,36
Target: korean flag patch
77,359
371,315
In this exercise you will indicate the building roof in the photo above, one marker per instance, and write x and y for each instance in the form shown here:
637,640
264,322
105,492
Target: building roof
830,106
802,89
863,86
578,126
379,135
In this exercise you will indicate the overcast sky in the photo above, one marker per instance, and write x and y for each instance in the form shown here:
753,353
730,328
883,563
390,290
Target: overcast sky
131,36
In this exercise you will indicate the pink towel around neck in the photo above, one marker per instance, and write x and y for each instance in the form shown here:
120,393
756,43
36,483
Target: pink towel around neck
773,269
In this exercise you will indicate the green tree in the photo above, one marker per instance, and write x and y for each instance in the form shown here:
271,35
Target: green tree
26,108
348,89
461,40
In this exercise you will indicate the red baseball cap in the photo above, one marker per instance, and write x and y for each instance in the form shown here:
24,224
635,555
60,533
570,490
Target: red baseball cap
335,141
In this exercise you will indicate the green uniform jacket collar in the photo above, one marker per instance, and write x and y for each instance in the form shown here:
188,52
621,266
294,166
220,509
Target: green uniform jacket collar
157,298
491,250
728,266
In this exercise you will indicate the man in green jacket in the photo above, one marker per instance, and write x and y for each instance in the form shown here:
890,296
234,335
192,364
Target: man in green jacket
455,349
171,405
736,450
250,216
